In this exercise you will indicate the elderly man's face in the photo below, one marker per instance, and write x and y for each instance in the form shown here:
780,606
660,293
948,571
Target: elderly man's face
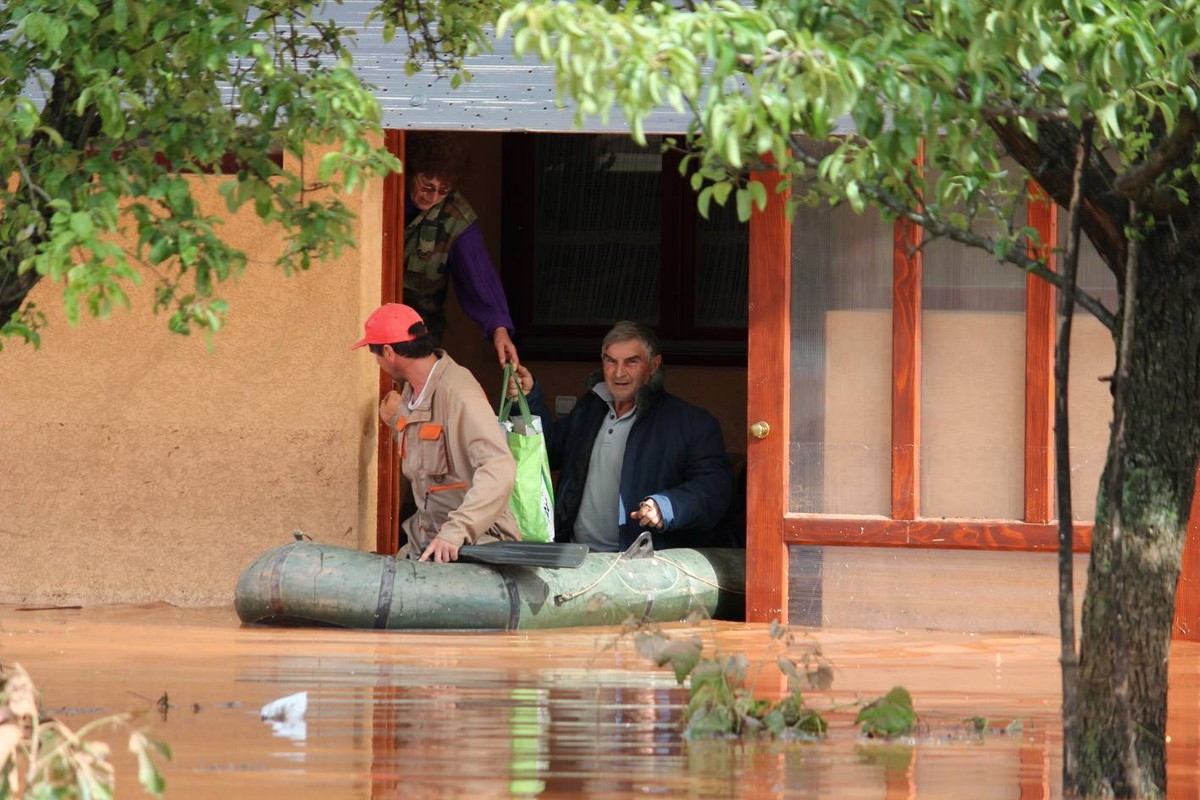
627,368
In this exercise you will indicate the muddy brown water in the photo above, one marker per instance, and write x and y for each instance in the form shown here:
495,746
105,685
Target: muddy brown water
570,713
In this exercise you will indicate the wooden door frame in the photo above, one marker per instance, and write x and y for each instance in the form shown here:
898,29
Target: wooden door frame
388,505
768,399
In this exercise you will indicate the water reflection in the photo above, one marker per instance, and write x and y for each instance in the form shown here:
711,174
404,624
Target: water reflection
546,714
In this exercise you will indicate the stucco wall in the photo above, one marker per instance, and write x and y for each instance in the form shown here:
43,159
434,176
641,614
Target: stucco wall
138,465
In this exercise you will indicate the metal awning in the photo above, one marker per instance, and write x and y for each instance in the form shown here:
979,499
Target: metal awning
506,93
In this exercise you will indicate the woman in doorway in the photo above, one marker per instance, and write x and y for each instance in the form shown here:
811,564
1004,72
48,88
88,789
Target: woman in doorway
443,242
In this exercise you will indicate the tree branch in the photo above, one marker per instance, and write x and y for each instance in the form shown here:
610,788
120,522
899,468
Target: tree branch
1047,160
1014,255
1062,465
1175,149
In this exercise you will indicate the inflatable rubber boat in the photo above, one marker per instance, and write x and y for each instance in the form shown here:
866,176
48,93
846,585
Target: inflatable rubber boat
307,583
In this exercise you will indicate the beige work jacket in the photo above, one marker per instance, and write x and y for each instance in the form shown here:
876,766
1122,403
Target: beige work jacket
455,456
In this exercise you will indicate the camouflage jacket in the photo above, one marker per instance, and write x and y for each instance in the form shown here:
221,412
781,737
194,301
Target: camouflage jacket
428,238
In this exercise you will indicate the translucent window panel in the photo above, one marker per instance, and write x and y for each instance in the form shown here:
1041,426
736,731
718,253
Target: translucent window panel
1093,275
599,215
962,278
721,293
841,374
972,385
1093,356
973,372
1089,410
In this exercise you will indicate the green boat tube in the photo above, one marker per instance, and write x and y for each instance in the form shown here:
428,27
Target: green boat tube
306,583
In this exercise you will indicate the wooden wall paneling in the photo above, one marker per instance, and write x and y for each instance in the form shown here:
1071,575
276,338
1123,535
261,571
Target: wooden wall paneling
942,533
387,525
768,397
1040,326
907,273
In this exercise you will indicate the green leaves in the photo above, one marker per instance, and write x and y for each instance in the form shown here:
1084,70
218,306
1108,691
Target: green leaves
791,719
857,89
146,750
721,699
145,94
888,717
683,654
43,758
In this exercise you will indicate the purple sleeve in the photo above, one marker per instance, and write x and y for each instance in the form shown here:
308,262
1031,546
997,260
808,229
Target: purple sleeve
476,283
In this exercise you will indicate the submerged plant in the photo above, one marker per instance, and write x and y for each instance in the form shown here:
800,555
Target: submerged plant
722,701
889,716
43,758
981,727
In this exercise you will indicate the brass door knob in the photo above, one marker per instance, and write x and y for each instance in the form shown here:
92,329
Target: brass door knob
760,430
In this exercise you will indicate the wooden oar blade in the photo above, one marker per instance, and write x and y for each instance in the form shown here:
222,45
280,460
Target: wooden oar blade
531,554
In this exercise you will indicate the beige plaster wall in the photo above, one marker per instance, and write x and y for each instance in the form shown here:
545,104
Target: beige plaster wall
138,465
1093,357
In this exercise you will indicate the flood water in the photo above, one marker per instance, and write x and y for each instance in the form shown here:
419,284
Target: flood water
569,713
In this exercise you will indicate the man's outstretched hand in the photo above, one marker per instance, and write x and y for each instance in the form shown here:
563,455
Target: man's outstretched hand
441,551
648,514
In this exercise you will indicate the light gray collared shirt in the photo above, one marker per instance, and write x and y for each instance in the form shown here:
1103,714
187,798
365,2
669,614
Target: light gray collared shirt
600,512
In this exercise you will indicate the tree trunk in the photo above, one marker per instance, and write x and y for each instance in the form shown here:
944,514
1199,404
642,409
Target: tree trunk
13,290
1137,545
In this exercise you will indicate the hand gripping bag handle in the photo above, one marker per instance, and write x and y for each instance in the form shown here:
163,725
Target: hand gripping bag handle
506,402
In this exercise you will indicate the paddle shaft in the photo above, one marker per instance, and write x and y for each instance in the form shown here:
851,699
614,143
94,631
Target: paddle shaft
533,554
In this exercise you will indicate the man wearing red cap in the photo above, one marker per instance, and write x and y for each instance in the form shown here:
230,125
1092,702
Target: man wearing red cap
451,449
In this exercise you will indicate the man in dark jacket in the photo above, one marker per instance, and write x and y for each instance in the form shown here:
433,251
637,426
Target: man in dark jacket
633,457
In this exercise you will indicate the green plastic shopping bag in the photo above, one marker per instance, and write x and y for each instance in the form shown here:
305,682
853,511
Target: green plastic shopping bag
532,499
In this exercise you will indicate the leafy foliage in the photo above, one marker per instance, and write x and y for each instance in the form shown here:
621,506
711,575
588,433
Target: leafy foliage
107,110
889,716
442,35
43,758
722,701
982,727
987,94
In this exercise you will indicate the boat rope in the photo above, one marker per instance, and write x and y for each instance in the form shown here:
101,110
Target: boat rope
696,577
566,597
638,550
641,548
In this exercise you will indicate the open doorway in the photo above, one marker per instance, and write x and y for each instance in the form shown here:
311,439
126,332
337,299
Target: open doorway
585,230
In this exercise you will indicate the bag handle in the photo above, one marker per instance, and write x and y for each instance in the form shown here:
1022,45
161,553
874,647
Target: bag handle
506,402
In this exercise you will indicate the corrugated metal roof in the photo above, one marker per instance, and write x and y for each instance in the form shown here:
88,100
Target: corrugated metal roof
506,93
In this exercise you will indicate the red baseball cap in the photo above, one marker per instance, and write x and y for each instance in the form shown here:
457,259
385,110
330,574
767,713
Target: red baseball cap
389,324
